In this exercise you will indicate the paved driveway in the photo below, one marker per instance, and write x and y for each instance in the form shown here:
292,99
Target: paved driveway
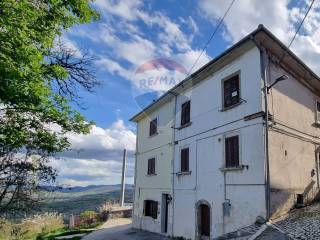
120,229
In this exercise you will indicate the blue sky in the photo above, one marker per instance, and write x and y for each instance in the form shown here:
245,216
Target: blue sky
131,33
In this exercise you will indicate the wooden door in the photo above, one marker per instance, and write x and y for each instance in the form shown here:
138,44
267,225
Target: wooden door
205,220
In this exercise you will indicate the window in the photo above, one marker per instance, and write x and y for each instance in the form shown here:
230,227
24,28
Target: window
185,113
232,151
317,111
151,166
184,160
153,127
231,93
151,208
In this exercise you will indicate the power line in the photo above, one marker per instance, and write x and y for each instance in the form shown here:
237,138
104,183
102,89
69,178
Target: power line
301,23
212,35
293,38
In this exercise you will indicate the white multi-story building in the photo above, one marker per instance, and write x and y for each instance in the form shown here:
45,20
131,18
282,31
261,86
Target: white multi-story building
207,160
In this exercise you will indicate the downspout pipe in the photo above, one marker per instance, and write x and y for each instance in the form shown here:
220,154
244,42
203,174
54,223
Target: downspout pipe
265,92
172,160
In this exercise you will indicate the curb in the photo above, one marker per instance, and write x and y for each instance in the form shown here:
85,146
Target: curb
258,233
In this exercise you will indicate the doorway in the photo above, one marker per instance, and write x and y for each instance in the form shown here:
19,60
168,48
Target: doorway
164,212
204,220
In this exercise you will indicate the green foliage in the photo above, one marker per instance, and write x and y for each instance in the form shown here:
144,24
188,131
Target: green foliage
88,214
38,80
64,232
27,33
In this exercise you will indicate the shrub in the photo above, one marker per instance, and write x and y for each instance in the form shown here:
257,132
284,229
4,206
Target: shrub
5,229
105,210
30,227
107,207
88,218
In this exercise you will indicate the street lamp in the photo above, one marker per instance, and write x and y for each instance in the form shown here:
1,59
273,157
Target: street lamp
279,79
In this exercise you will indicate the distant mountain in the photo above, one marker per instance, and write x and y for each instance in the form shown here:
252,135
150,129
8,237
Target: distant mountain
93,187
76,189
74,200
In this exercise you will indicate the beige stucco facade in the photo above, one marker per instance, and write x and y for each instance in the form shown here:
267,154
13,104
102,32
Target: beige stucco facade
293,139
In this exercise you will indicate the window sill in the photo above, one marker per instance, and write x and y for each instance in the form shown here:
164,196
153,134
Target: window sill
183,173
228,169
151,175
149,217
155,134
223,109
184,126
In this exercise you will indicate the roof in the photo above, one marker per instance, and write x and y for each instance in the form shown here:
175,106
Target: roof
265,38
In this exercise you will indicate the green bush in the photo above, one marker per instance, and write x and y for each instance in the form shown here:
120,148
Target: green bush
88,214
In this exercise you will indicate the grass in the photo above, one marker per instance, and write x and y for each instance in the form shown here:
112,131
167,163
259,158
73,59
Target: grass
31,227
64,232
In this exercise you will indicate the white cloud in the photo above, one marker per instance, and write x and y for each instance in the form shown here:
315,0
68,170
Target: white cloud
245,15
193,25
117,137
128,47
136,51
83,172
126,9
188,58
170,33
277,16
96,158
114,67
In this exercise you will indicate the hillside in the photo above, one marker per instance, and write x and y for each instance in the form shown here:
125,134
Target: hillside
78,199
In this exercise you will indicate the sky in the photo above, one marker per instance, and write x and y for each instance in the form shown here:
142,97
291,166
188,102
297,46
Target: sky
133,35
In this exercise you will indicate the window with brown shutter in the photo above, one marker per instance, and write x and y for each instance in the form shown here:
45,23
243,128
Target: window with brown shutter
151,166
153,129
185,160
151,208
231,93
232,151
185,113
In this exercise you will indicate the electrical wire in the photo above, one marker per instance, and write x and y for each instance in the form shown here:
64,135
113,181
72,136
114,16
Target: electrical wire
298,29
292,40
301,23
212,35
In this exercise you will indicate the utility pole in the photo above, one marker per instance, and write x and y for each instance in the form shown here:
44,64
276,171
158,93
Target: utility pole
123,178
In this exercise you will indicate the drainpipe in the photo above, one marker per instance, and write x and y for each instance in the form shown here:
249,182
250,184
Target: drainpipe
172,160
135,176
317,164
225,198
267,168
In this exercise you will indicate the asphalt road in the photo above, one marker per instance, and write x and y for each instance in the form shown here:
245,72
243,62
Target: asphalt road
120,229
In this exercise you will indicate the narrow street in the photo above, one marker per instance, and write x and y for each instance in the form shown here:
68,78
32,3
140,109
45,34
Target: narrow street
120,229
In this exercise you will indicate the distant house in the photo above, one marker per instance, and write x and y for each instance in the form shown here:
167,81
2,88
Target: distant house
229,144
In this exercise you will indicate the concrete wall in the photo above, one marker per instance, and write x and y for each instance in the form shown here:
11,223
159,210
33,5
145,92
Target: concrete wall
292,139
205,137
151,187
